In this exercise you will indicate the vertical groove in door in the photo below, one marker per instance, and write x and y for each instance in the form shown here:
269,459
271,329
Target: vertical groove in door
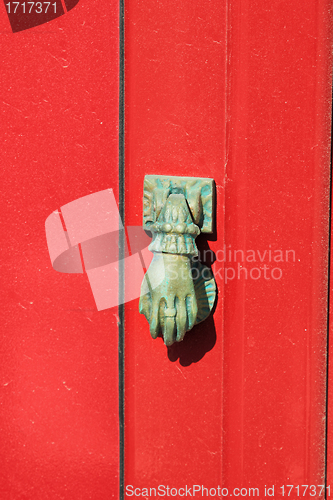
328,318
121,307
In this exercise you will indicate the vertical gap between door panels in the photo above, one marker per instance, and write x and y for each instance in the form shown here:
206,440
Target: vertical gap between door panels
121,307
329,297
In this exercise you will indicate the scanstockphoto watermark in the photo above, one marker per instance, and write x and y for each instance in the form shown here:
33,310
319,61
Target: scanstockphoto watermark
253,273
195,490
87,236
231,264
227,254
238,264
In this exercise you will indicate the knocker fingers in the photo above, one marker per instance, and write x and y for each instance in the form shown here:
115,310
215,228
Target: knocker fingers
144,305
168,324
181,318
155,317
168,330
192,310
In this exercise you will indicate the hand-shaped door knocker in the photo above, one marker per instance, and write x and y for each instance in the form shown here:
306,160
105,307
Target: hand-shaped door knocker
177,291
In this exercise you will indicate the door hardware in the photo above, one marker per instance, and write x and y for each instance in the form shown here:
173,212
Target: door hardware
177,291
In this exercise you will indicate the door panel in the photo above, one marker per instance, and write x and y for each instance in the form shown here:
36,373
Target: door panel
175,125
59,360
278,199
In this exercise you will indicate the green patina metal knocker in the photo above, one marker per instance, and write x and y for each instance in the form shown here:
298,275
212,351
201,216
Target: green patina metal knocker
177,291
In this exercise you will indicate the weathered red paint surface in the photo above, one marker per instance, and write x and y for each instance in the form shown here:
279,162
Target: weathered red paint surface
240,92
278,198
175,125
59,373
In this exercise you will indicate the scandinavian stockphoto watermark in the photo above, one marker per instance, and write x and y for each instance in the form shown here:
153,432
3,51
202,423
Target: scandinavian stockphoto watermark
87,236
241,265
250,264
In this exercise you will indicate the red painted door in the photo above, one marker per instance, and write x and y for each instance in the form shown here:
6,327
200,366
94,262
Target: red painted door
91,406
59,355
